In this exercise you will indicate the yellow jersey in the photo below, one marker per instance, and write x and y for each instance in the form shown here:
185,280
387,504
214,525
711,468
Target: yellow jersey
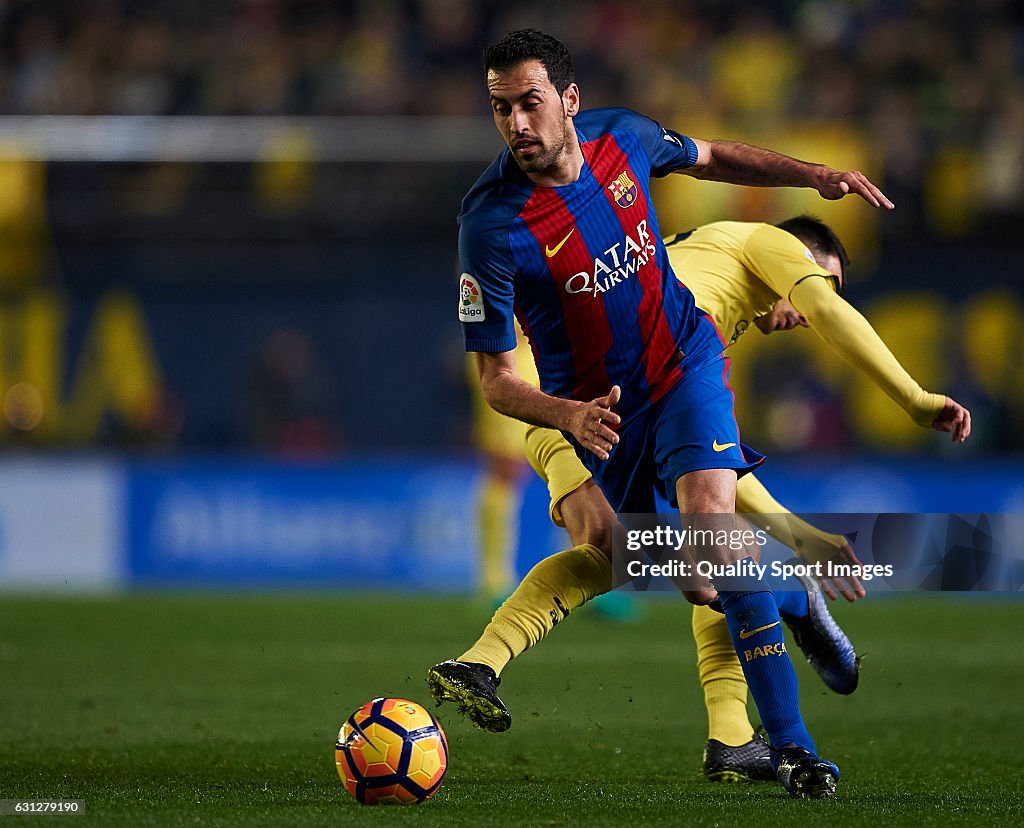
738,270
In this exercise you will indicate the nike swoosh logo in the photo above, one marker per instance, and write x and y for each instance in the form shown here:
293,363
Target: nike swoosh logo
745,634
551,251
720,447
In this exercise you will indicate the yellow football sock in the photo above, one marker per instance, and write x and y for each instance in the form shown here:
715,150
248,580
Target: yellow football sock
549,592
499,535
725,690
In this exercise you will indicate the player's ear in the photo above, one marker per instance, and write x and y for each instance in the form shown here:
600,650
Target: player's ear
571,100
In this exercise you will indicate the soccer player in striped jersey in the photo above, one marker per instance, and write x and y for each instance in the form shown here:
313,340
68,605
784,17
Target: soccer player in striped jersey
741,273
560,233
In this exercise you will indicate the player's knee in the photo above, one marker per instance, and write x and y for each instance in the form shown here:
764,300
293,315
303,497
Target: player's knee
589,518
505,469
600,532
707,491
709,503
596,529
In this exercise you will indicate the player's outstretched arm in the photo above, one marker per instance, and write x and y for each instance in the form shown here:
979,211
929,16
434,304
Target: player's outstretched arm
737,163
507,393
953,419
849,334
809,542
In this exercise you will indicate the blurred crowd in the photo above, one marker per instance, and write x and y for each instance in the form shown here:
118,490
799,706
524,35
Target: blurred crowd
938,88
925,95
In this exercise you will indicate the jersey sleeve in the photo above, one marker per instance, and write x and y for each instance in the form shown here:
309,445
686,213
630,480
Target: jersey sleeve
779,259
849,334
667,149
486,290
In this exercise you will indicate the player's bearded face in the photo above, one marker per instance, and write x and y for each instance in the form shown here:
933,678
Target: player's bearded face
531,116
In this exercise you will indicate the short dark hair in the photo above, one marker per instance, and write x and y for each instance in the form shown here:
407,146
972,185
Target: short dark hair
821,240
530,44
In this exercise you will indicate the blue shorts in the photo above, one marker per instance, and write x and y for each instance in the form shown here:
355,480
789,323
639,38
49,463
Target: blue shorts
692,427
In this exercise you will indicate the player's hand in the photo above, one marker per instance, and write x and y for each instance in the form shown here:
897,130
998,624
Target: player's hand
849,587
836,184
590,423
955,419
699,597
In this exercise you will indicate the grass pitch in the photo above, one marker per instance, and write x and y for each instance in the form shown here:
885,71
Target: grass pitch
222,710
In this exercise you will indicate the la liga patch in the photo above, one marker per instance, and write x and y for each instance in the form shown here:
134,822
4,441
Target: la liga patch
471,299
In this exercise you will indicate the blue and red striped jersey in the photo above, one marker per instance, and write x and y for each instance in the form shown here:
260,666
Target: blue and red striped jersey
583,267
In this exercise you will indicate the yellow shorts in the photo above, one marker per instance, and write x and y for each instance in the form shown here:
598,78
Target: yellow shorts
557,464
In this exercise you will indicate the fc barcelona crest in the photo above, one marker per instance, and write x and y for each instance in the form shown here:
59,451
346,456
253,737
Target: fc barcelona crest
623,190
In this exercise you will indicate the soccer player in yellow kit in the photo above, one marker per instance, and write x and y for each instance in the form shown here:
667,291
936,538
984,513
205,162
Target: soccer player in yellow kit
741,273
499,443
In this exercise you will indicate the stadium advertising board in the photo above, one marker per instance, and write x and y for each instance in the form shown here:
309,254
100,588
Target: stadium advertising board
358,524
60,524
